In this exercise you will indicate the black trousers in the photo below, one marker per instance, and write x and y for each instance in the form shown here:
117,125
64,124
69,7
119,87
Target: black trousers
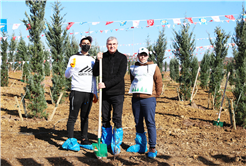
109,102
83,101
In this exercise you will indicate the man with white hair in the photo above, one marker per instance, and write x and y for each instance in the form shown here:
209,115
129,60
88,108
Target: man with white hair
114,66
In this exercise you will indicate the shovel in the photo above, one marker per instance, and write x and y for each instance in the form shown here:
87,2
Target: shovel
100,149
218,123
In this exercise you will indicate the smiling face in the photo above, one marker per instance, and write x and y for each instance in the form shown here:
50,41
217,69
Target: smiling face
112,46
143,57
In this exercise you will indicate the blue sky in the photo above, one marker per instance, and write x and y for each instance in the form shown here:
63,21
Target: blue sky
130,39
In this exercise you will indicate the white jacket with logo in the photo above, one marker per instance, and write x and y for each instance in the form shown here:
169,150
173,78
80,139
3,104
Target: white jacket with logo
82,76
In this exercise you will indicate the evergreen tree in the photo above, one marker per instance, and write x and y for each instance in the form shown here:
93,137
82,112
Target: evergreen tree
176,69
194,68
56,37
34,89
94,50
165,64
171,67
150,48
46,63
239,78
4,65
184,47
72,48
12,51
23,55
217,66
205,70
159,50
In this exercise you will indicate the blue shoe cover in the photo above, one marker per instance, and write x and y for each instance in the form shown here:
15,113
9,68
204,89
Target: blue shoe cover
71,144
86,146
116,140
106,135
152,155
141,144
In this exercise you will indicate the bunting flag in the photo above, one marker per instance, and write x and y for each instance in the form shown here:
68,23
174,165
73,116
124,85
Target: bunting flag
135,23
28,27
70,24
216,18
14,37
95,23
164,22
122,23
176,21
189,19
109,22
203,20
15,26
81,23
231,17
150,22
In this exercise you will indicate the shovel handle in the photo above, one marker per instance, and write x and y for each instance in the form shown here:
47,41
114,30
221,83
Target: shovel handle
100,99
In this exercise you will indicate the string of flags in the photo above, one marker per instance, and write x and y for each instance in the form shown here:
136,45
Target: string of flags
150,22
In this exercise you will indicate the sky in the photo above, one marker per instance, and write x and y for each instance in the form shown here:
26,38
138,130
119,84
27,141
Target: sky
131,39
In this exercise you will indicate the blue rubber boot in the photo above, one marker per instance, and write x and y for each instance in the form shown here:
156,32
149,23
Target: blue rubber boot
106,135
141,144
152,154
116,140
71,144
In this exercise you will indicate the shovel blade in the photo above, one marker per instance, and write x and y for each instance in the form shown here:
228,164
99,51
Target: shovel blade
100,150
216,123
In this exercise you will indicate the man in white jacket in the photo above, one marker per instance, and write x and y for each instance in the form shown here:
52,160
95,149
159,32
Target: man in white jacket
83,89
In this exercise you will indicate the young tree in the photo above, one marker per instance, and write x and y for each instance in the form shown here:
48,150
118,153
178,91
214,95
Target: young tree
47,63
205,70
176,69
239,78
184,47
72,48
217,66
165,64
34,89
194,68
171,68
4,65
150,48
56,39
12,51
23,55
159,50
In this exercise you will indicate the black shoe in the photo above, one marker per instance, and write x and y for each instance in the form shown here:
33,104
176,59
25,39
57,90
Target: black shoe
85,142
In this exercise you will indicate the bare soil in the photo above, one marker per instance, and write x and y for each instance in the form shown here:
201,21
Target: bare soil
185,133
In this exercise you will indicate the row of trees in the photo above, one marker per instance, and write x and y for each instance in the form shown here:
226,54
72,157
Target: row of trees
212,67
61,48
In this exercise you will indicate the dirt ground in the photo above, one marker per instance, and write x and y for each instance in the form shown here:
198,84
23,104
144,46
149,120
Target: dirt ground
185,134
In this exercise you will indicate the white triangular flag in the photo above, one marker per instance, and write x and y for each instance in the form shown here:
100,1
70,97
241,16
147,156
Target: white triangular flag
135,23
15,26
176,21
216,18
95,23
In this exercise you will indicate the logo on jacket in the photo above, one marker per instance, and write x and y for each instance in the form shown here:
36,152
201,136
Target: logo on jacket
85,71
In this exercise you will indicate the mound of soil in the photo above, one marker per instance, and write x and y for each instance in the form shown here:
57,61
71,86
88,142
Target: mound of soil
185,133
